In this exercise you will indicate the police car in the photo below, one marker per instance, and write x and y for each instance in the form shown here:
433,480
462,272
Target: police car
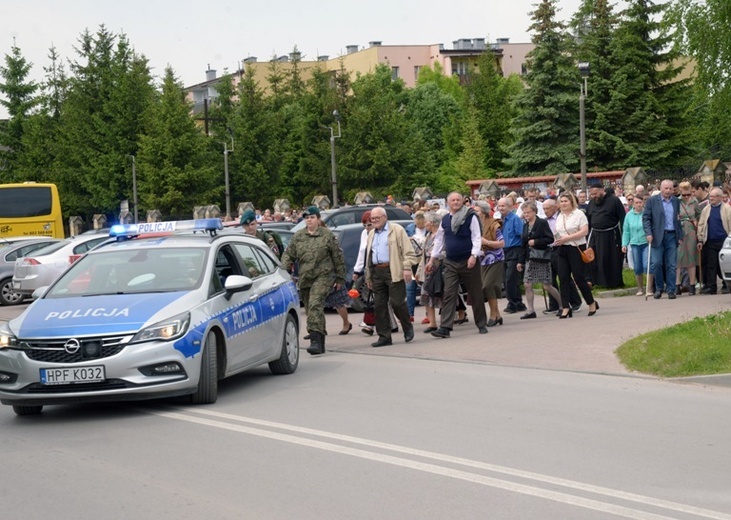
166,309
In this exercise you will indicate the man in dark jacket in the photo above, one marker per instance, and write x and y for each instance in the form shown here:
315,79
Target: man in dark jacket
664,232
606,216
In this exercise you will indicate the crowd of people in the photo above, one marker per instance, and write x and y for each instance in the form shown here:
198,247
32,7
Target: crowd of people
473,253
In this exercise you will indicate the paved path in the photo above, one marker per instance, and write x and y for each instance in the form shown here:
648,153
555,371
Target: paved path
581,343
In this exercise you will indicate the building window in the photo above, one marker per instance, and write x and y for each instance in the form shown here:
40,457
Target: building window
417,68
394,73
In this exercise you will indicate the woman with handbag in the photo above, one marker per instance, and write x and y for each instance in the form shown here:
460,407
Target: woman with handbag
431,295
572,227
690,212
492,262
535,256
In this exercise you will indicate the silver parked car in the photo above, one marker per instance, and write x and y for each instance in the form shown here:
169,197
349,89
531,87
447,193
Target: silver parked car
10,250
46,264
145,318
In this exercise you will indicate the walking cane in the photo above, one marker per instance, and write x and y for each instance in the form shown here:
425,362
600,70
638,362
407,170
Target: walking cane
700,266
647,284
545,300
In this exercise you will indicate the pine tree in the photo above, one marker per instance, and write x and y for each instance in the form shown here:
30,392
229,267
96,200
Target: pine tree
109,90
19,101
546,127
595,25
648,105
173,167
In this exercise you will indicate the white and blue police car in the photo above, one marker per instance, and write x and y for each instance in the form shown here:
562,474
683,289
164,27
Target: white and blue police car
166,309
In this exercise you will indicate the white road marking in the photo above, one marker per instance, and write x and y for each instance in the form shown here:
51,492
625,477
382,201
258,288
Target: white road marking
444,471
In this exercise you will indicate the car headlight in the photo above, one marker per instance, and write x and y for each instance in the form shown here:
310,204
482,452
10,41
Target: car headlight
166,330
7,338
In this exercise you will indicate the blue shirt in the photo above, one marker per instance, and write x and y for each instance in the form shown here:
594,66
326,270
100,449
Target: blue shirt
379,246
667,207
512,230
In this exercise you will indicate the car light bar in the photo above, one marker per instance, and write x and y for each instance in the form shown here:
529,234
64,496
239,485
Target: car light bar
131,230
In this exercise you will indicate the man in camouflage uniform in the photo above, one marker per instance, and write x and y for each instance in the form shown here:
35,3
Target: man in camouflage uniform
321,269
270,238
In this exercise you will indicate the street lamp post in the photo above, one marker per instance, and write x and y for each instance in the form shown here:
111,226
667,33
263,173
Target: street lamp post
226,151
584,71
334,178
134,186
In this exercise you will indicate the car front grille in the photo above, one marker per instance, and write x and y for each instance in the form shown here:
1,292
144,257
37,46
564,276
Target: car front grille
110,384
54,351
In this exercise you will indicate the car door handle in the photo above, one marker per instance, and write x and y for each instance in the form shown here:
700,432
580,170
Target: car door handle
253,297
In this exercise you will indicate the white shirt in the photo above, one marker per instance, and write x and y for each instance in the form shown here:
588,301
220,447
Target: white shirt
475,235
568,225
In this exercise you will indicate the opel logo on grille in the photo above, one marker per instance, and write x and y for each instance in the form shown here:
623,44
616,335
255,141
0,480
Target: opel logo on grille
72,346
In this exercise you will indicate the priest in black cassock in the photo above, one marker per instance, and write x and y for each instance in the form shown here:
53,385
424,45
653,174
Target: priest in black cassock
606,215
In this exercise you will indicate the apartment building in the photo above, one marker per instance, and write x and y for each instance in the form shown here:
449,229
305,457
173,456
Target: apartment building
405,62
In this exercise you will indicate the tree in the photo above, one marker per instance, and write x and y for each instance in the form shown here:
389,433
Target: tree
546,127
19,102
701,31
173,165
648,105
40,149
110,88
375,135
492,98
595,24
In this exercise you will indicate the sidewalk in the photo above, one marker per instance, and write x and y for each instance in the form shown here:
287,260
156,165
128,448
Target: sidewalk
581,343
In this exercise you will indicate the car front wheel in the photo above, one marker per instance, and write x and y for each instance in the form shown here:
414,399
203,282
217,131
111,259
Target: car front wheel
207,391
290,353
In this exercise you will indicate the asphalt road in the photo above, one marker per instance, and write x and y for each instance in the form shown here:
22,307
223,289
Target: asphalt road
367,437
470,427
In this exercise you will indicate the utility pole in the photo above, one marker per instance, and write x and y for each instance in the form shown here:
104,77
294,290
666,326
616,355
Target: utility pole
584,71
226,151
334,178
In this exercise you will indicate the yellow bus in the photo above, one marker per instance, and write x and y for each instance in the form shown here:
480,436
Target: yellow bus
30,209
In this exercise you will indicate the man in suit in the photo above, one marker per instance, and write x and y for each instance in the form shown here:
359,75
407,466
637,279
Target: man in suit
664,233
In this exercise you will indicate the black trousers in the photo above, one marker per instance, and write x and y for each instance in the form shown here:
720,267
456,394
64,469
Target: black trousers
454,273
574,297
711,265
512,278
385,292
570,266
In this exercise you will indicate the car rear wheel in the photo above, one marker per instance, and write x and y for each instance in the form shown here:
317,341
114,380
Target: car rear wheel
7,295
289,358
207,391
27,410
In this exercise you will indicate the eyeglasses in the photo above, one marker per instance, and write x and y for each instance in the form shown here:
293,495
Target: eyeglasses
685,194
376,219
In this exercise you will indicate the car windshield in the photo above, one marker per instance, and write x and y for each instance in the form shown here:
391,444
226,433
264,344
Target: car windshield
126,271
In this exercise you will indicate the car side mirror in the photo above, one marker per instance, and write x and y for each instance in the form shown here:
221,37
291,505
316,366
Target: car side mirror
237,283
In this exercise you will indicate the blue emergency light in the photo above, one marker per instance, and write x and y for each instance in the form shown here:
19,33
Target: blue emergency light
144,228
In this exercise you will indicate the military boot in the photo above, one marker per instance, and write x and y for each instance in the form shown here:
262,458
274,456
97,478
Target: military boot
317,343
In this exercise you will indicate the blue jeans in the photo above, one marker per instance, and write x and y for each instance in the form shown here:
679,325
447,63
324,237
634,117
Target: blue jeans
411,296
664,258
639,258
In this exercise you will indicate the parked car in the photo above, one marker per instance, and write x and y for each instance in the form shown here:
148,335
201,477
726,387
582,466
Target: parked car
10,250
352,215
145,318
46,264
724,259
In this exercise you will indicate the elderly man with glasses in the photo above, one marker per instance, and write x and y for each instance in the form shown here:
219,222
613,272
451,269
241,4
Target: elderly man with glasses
714,225
389,258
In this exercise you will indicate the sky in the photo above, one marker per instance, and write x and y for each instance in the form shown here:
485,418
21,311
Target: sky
191,35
